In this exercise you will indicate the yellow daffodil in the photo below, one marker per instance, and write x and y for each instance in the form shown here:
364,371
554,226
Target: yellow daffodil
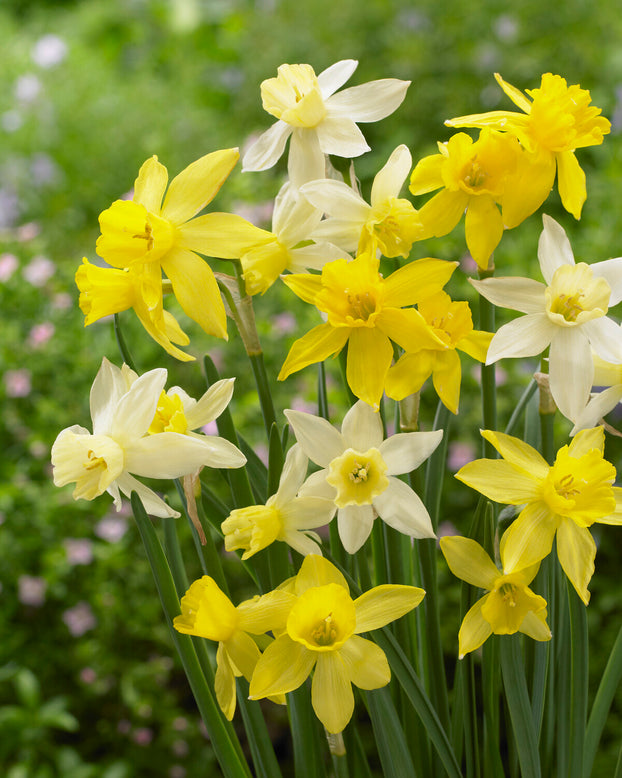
208,613
286,516
557,120
509,606
319,121
389,224
366,311
567,313
123,406
475,177
323,632
452,323
157,232
561,500
359,470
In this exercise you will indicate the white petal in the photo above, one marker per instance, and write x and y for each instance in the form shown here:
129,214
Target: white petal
171,455
554,248
340,136
307,513
368,102
518,294
316,485
153,504
292,476
336,198
605,337
526,336
268,148
355,524
571,371
611,271
301,543
401,508
106,391
306,160
390,179
597,407
136,409
320,441
362,427
334,77
314,256
405,451
211,405
345,234
294,217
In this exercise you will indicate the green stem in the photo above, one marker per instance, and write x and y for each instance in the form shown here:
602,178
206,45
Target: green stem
306,735
125,352
578,680
522,404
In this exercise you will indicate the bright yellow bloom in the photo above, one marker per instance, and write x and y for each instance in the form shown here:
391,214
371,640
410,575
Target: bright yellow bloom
452,323
366,311
561,500
510,606
557,120
323,632
475,178
208,613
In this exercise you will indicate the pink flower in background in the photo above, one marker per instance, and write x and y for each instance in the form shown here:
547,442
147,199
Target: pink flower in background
459,454
284,323
28,231
88,675
80,619
180,723
41,333
17,382
39,270
8,265
111,528
48,51
62,301
31,590
79,551
142,736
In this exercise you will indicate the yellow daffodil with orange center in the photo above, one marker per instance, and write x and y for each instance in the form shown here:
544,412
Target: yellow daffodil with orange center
561,500
557,120
366,311
509,606
323,632
207,612
452,323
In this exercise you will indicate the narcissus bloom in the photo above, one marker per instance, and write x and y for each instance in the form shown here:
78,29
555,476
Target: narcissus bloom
452,323
366,311
319,121
510,606
390,224
605,374
286,516
359,469
567,313
557,120
123,406
323,632
208,613
561,500
159,232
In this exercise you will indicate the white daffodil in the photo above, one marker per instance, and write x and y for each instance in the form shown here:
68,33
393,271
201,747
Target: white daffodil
286,516
608,375
319,121
389,223
567,313
359,469
293,221
123,407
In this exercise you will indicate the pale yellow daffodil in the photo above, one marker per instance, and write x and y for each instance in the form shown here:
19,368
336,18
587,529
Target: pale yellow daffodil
323,632
366,311
557,120
560,500
509,605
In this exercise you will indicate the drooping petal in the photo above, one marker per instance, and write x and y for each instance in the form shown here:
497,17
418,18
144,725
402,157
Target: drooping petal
292,475
383,604
306,161
222,235
331,692
368,102
468,560
528,187
401,508
307,513
597,407
409,373
576,551
530,537
534,625
499,480
314,256
302,542
243,652
224,683
483,227
369,357
171,455
268,148
611,271
284,666
361,428
571,183
417,280
266,613
150,185
340,136
154,505
476,344
442,212
571,370
408,328
390,178
474,629
366,663
355,523
197,185
554,249
520,294
405,451
315,346
526,336
320,441
446,378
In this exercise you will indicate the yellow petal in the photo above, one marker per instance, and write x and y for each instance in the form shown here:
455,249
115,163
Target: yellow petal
446,378
416,281
408,374
571,183
206,611
585,440
529,538
483,228
224,683
499,481
408,328
468,560
284,666
441,214
384,604
305,285
474,629
576,551
318,571
243,652
366,663
369,356
475,344
518,453
197,185
222,235
150,185
269,611
534,625
426,177
331,692
528,187
319,343
515,95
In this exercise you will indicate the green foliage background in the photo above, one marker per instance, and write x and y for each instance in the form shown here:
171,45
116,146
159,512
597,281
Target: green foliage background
179,79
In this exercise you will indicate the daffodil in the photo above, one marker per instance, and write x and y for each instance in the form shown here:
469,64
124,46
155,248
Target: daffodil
367,312
358,472
389,224
319,121
323,632
123,406
207,612
567,313
562,500
288,246
509,605
160,232
608,375
557,120
476,177
452,323
286,516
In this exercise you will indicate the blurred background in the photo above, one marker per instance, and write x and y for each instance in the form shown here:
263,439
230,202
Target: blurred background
90,88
